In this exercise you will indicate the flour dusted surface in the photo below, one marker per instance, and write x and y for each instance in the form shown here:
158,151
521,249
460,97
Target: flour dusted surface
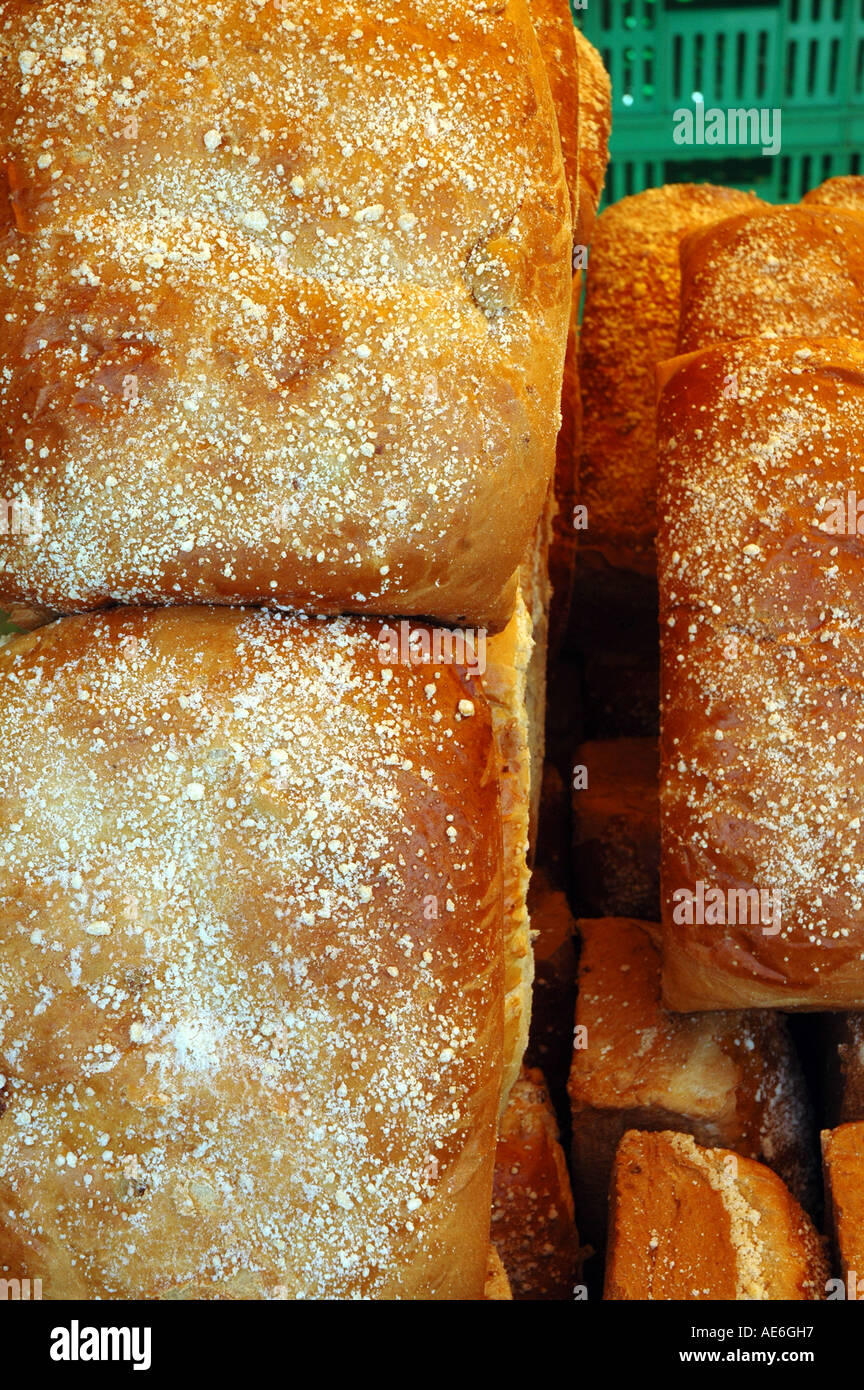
240,1057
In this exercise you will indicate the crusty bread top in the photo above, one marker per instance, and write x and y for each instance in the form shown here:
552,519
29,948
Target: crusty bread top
286,294
843,191
631,323
757,440
250,961
505,685
689,1223
763,634
773,273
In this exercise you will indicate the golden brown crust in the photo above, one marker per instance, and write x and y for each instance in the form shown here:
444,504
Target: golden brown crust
275,354
761,772
762,745
556,35
498,1288
536,591
595,125
630,323
250,961
695,1224
773,273
843,1159
532,1205
729,1079
843,191
756,438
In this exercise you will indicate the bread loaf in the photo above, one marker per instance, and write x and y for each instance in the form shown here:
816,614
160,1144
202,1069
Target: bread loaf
730,1079
630,323
696,1224
762,750
286,302
773,273
843,191
250,962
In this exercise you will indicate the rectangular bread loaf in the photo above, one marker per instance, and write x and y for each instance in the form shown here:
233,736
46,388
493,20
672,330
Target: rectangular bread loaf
762,749
301,340
252,924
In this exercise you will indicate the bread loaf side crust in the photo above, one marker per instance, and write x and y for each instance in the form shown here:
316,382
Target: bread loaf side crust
532,1206
843,1160
557,37
505,685
595,126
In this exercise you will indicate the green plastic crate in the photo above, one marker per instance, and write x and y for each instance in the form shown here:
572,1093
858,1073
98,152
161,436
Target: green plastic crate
805,57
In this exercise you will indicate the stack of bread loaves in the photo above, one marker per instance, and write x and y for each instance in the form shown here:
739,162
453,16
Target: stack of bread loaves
298,433
738,329
286,295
